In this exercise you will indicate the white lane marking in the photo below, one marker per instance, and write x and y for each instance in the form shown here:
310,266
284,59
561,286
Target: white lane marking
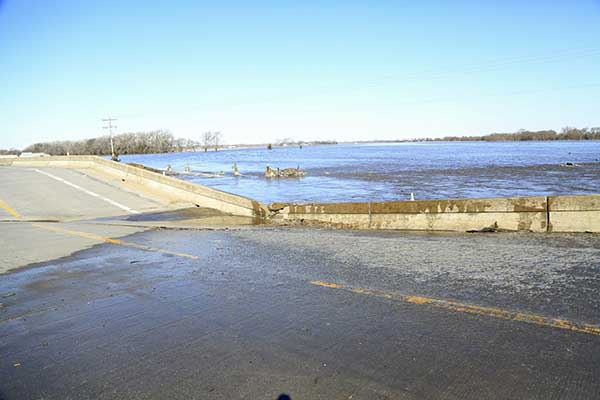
114,203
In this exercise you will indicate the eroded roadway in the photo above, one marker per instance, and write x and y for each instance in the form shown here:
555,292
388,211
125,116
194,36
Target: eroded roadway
254,312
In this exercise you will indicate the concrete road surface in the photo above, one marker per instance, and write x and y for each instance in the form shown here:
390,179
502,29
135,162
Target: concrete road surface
34,200
257,312
67,194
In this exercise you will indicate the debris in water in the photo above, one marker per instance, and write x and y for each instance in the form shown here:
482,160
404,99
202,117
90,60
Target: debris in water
284,173
4,296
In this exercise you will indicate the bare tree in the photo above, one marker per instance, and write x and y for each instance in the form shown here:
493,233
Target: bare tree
10,152
217,136
207,140
190,145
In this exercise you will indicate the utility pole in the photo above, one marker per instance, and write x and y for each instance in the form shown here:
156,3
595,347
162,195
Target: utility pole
110,132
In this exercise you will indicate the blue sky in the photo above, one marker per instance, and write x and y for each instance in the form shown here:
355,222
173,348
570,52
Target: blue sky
259,71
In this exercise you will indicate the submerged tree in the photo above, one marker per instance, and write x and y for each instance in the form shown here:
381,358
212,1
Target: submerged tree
217,140
211,139
207,139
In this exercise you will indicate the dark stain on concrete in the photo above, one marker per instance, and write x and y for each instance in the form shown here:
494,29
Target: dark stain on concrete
532,204
177,215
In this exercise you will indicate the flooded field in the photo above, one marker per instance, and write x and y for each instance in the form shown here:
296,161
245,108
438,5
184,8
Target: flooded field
394,171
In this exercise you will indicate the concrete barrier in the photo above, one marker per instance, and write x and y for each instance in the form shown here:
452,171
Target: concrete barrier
511,214
535,214
168,186
574,213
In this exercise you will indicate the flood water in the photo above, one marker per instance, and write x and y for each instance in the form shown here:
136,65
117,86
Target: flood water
434,170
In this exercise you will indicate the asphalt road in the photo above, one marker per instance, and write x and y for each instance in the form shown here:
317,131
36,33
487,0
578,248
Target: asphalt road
256,312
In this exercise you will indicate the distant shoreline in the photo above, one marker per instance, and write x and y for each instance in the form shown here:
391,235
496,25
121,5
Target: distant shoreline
264,146
160,142
463,141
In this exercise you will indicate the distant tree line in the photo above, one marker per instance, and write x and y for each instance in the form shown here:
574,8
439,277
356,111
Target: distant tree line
323,142
10,152
291,142
163,141
158,141
566,133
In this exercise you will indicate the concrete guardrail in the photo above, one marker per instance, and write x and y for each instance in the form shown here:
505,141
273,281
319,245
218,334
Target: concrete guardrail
574,213
171,187
535,214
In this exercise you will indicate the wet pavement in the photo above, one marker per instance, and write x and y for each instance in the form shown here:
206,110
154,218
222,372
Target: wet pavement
241,316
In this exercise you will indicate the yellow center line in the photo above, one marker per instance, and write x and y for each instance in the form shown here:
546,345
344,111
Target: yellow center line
10,210
470,309
119,242
113,241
